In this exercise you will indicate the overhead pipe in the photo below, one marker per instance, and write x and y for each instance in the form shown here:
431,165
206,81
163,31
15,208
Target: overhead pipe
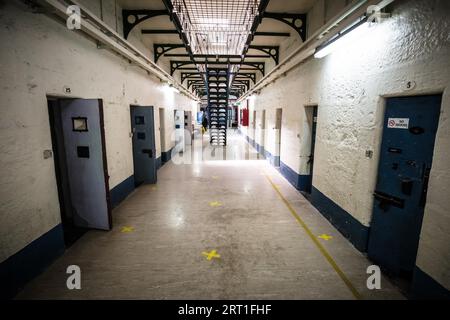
345,19
107,37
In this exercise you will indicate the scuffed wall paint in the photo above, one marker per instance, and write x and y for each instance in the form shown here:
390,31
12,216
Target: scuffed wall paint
40,57
350,87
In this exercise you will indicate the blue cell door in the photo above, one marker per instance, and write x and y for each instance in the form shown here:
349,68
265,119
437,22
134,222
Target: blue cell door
144,151
410,127
85,157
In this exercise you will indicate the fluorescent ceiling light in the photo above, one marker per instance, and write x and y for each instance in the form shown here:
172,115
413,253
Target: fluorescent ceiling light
342,40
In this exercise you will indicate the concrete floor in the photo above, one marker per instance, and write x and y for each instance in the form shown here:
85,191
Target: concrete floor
229,206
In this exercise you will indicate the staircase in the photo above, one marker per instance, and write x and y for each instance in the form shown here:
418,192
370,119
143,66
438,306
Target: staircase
217,80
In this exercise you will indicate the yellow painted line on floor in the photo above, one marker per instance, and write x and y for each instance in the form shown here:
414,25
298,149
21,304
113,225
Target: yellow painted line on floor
321,248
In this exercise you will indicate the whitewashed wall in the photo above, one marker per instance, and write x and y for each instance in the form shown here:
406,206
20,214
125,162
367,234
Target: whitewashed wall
350,87
39,57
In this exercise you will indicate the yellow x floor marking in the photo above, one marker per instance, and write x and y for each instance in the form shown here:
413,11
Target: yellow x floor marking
215,177
127,229
319,246
325,237
215,204
210,255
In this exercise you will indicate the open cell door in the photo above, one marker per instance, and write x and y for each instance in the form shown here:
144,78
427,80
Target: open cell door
144,150
85,161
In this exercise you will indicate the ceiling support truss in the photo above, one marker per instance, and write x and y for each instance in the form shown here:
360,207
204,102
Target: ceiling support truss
256,65
272,51
132,18
161,49
296,21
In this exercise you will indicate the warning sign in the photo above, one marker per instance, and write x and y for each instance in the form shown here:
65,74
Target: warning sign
398,123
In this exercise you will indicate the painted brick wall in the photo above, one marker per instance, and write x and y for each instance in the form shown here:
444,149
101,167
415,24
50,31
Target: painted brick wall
350,86
39,57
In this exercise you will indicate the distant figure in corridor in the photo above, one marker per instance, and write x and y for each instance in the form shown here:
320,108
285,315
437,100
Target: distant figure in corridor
204,123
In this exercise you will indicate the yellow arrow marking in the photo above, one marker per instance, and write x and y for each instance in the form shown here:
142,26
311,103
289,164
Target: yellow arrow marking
127,229
215,204
325,237
211,255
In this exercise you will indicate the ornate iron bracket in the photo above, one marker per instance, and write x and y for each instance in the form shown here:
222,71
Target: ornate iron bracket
195,82
132,18
190,75
251,76
273,51
160,49
175,65
296,21
242,82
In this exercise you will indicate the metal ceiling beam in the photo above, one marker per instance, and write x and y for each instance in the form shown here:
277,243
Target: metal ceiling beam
158,31
272,34
272,51
190,75
251,76
160,49
132,18
296,21
177,23
185,55
258,19
178,65
257,34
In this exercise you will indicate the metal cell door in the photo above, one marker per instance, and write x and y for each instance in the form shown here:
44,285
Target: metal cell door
409,132
144,153
82,126
314,110
278,124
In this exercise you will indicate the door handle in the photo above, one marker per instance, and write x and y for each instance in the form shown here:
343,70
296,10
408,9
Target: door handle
387,200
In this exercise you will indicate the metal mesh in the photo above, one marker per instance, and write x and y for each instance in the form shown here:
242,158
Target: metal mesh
216,26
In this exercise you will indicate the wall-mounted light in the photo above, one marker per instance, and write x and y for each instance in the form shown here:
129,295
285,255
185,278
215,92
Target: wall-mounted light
342,39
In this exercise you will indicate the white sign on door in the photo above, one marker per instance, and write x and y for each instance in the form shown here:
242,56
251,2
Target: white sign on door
398,123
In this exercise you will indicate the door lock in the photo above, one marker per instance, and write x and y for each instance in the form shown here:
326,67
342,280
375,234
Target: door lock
387,200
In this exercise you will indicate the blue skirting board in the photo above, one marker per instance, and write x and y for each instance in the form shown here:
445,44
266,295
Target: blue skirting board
425,287
29,262
351,228
300,182
121,191
166,156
